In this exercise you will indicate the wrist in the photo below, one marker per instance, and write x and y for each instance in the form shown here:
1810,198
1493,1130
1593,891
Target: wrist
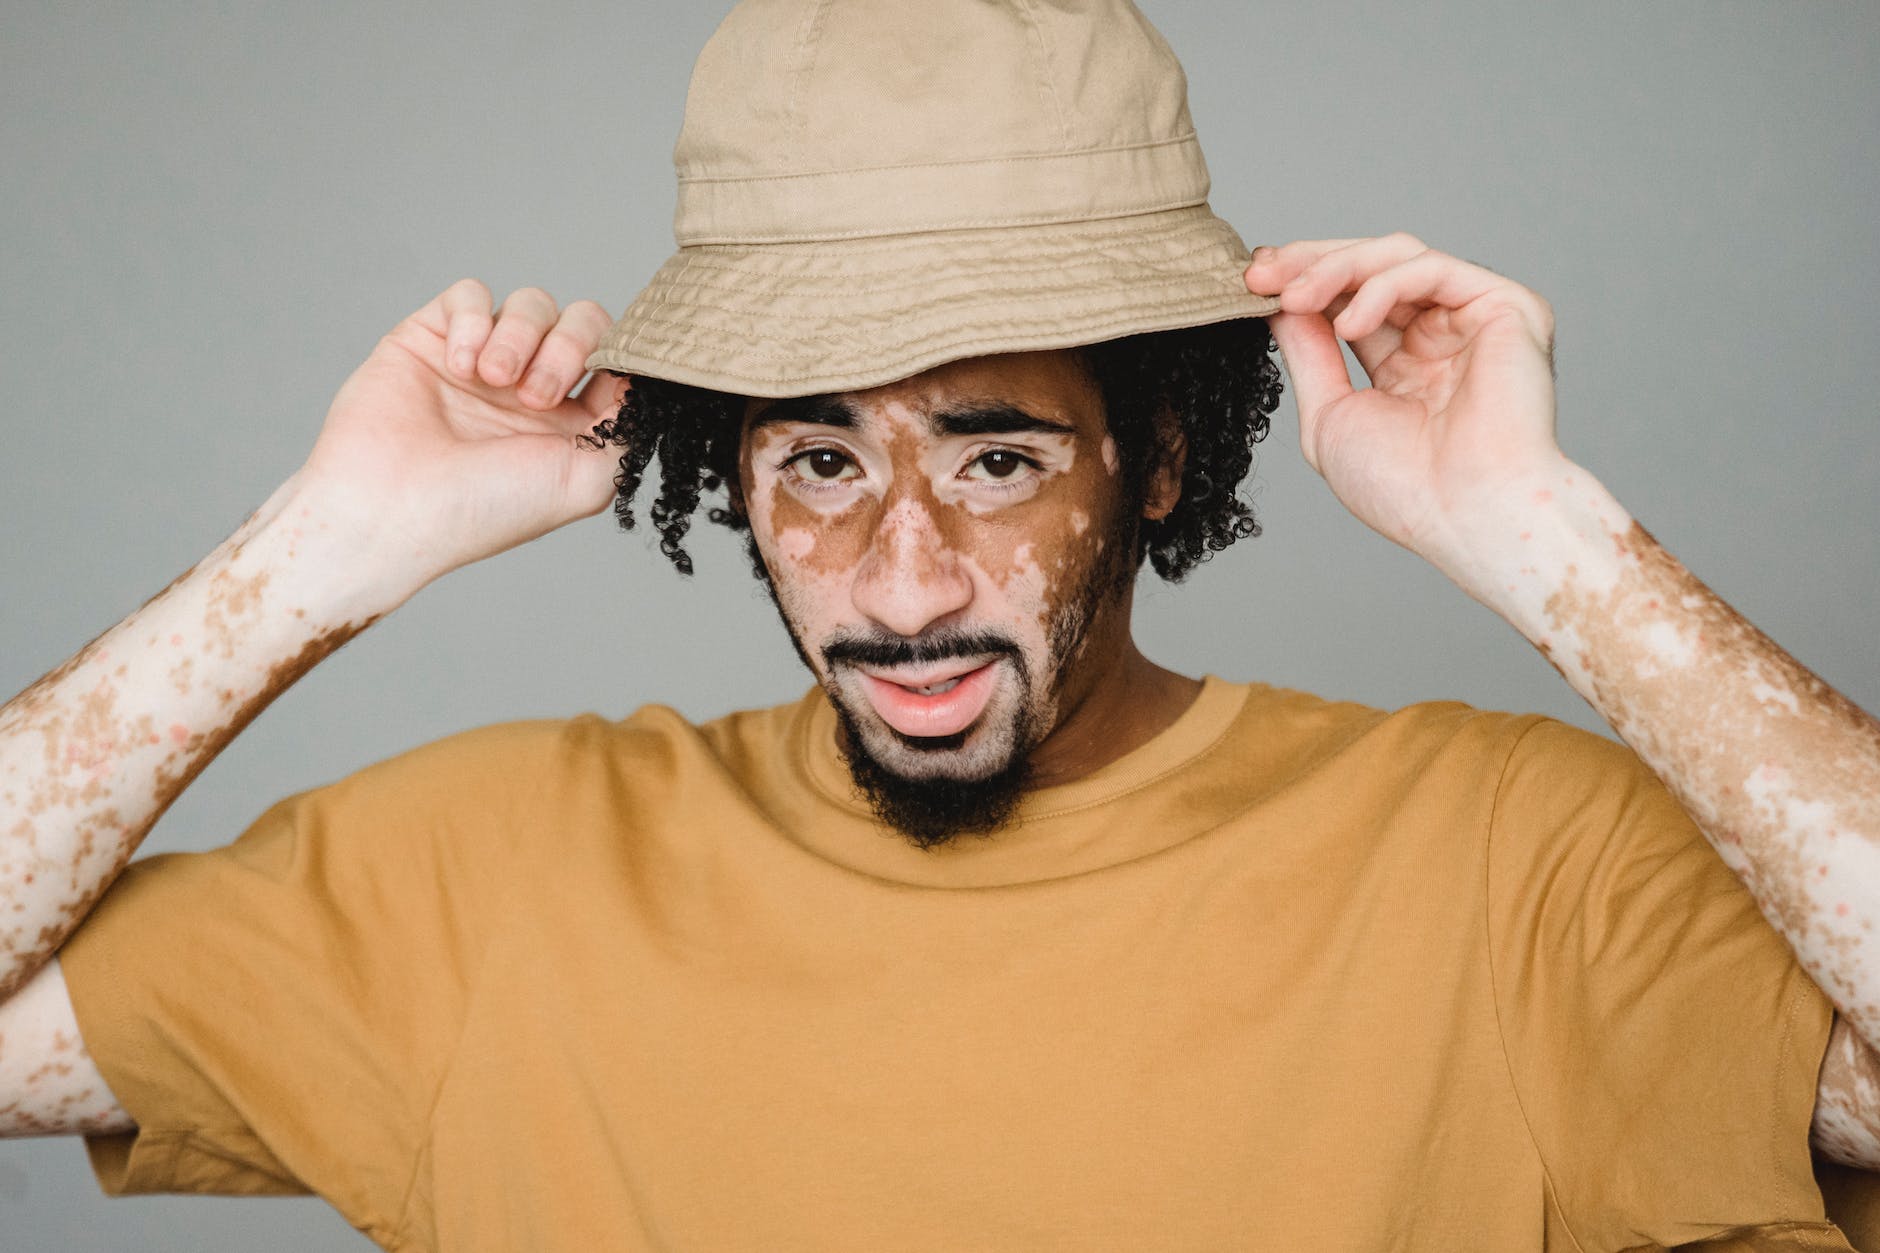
1552,528
323,558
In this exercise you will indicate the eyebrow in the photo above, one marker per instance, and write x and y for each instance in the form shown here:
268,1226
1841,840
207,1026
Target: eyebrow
993,419
815,410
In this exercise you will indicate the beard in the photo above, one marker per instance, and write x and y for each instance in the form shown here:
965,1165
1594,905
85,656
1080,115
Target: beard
933,790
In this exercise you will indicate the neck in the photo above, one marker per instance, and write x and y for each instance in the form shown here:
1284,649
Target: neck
1123,706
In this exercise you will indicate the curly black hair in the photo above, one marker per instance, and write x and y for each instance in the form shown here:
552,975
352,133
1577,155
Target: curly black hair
1220,382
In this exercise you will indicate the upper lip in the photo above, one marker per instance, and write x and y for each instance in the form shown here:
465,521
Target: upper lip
929,676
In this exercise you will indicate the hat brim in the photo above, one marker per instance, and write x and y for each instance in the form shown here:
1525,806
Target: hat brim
810,318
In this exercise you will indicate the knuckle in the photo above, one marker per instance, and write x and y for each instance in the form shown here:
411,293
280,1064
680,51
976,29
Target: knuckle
1404,239
556,356
545,380
530,304
507,334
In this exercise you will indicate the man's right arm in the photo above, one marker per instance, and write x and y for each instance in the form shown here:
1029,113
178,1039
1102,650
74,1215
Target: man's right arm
453,441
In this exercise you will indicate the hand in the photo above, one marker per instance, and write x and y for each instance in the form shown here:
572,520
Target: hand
1457,430
457,439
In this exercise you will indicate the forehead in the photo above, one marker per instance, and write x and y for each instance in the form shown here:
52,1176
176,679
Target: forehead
1051,386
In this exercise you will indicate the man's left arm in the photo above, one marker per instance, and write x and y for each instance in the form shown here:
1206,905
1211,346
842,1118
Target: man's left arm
1451,453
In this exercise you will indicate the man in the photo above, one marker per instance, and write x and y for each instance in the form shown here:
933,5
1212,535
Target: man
1004,936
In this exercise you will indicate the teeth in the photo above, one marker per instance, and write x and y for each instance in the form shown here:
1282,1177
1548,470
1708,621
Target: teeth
937,688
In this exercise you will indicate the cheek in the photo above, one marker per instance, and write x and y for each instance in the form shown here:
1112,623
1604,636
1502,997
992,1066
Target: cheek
813,603
790,532
795,544
809,557
1043,559
1018,599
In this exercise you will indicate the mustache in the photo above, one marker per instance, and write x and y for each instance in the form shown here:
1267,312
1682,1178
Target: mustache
889,651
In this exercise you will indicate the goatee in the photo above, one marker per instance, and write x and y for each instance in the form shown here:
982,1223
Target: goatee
932,806
931,811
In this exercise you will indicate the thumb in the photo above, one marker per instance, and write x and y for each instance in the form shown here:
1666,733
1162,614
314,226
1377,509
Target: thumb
529,485
588,477
1316,366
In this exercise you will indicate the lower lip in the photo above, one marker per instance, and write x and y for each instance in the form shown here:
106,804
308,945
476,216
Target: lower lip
944,713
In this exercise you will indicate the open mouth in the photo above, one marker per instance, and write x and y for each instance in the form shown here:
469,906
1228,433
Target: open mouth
934,704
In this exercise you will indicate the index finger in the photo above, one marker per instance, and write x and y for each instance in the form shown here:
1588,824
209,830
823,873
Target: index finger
1338,272
464,308
1275,266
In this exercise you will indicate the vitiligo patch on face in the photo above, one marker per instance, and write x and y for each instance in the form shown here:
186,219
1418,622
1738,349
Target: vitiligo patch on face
921,533
901,522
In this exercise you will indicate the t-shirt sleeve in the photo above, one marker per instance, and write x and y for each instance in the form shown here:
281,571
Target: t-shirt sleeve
1663,1040
277,1015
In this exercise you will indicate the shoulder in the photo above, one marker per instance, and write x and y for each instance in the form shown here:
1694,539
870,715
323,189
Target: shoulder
590,766
1427,741
484,786
531,755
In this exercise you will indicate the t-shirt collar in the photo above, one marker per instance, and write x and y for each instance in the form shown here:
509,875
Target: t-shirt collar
1069,828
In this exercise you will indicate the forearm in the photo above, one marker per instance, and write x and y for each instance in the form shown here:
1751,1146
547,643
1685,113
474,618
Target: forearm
1779,770
94,752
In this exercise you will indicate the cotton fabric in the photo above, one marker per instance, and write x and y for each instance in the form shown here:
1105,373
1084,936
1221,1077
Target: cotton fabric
867,189
1295,974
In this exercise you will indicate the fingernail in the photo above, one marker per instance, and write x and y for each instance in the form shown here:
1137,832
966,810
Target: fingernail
502,362
463,361
1262,255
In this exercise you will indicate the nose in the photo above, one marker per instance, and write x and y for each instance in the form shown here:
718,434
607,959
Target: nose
910,578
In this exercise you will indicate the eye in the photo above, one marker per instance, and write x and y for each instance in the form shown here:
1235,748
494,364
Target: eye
999,465
822,465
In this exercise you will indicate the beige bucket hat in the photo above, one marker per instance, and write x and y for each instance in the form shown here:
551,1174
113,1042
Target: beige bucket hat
869,188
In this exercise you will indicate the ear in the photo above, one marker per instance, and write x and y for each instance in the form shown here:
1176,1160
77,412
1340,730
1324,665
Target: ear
1164,489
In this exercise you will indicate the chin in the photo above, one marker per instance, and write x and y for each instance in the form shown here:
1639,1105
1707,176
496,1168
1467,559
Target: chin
934,791
999,737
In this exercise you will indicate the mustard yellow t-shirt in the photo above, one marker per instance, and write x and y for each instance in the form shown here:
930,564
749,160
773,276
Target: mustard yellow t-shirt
1296,974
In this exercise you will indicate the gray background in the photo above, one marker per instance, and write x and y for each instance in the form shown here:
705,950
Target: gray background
211,212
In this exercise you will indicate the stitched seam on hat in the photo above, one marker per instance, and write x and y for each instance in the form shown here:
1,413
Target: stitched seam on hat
1178,217
852,284
981,311
1044,71
1013,159
1038,239
1124,318
665,298
877,339
927,228
806,56
1002,297
953,349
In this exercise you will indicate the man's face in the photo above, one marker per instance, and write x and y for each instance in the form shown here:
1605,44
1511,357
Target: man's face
946,556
